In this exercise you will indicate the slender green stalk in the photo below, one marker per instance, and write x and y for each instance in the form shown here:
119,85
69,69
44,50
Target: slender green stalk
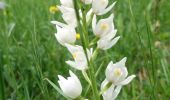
84,44
38,64
152,62
2,94
136,26
85,28
97,73
140,40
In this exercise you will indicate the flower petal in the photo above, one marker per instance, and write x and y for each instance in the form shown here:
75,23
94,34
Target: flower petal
61,78
112,43
75,65
59,23
72,49
94,21
107,9
88,16
116,92
127,80
67,3
110,35
72,64
122,62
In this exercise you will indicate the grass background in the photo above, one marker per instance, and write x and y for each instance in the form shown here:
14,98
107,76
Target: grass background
29,51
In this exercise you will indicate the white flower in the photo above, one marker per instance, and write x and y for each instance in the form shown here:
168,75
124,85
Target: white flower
108,41
112,92
80,61
68,12
103,27
2,5
87,1
69,15
117,73
71,86
67,3
100,6
65,34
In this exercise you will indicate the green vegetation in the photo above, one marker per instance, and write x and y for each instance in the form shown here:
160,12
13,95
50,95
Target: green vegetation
29,51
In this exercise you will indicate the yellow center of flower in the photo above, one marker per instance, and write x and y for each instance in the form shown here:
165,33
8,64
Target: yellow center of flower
53,9
74,55
104,26
117,72
78,36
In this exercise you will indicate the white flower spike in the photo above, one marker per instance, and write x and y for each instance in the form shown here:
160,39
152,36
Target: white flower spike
108,41
71,86
80,61
112,92
87,1
100,6
103,27
65,34
117,73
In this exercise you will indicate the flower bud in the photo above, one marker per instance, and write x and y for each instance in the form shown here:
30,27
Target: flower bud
65,34
71,86
69,15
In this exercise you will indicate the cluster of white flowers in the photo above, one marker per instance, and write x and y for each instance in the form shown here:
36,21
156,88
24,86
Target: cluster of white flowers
116,74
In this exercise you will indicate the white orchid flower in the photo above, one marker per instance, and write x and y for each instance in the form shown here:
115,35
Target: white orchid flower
117,73
69,15
103,27
108,41
65,34
2,5
112,92
67,3
71,86
80,61
100,6
87,1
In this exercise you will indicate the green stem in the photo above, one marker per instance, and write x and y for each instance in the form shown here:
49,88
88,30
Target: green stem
152,61
84,44
97,73
85,27
2,93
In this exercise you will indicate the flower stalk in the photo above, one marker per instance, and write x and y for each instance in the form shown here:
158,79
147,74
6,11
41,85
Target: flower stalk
78,19
85,45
